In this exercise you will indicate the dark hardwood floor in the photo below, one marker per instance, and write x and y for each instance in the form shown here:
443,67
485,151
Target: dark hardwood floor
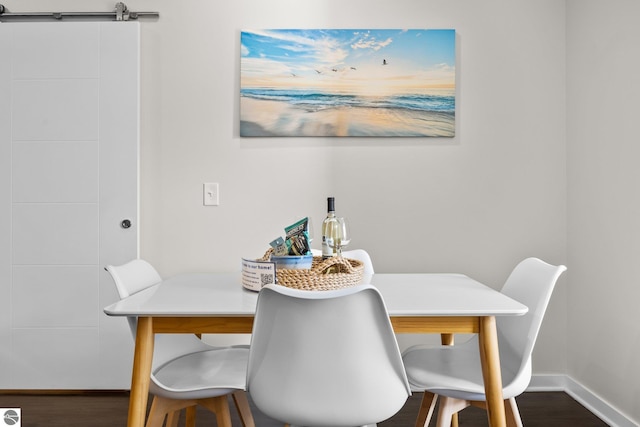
102,409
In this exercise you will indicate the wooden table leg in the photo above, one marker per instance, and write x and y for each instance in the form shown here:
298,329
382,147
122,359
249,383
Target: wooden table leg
490,358
449,339
141,376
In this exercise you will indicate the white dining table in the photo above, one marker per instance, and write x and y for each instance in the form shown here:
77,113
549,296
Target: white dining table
217,303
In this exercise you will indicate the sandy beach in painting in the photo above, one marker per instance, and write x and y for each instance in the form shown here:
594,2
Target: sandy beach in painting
260,117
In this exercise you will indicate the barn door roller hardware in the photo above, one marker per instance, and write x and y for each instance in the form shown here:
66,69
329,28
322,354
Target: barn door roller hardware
120,13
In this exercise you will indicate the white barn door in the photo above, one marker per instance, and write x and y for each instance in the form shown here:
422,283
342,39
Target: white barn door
69,130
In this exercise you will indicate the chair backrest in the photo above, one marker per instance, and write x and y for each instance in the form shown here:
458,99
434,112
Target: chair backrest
360,255
531,282
325,358
133,277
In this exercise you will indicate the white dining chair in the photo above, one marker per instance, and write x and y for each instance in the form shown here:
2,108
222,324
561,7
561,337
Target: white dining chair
325,358
186,371
453,373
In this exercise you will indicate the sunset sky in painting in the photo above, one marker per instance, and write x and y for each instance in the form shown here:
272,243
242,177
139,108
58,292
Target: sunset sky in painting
349,60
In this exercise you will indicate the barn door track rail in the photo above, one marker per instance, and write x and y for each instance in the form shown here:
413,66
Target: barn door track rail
120,13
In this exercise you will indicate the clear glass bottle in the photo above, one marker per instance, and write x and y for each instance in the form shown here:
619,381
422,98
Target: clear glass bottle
329,228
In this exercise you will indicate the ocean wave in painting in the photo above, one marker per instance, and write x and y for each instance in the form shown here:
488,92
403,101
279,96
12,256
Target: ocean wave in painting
319,100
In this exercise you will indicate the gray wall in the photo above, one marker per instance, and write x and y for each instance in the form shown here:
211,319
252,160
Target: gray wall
603,88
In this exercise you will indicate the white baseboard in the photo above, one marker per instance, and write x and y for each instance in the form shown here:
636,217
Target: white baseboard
584,396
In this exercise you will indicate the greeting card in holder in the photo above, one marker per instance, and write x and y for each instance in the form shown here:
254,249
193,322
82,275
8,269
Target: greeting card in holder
256,274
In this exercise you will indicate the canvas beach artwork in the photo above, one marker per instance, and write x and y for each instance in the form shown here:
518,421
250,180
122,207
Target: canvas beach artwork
339,82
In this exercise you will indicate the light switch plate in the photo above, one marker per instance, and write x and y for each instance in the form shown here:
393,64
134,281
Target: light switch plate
211,194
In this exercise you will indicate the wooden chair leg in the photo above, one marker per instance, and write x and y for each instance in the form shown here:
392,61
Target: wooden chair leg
190,420
454,420
155,418
244,410
426,409
172,419
219,406
162,406
448,408
512,413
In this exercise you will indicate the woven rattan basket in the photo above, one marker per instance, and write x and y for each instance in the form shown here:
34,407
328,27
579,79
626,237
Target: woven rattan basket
324,275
